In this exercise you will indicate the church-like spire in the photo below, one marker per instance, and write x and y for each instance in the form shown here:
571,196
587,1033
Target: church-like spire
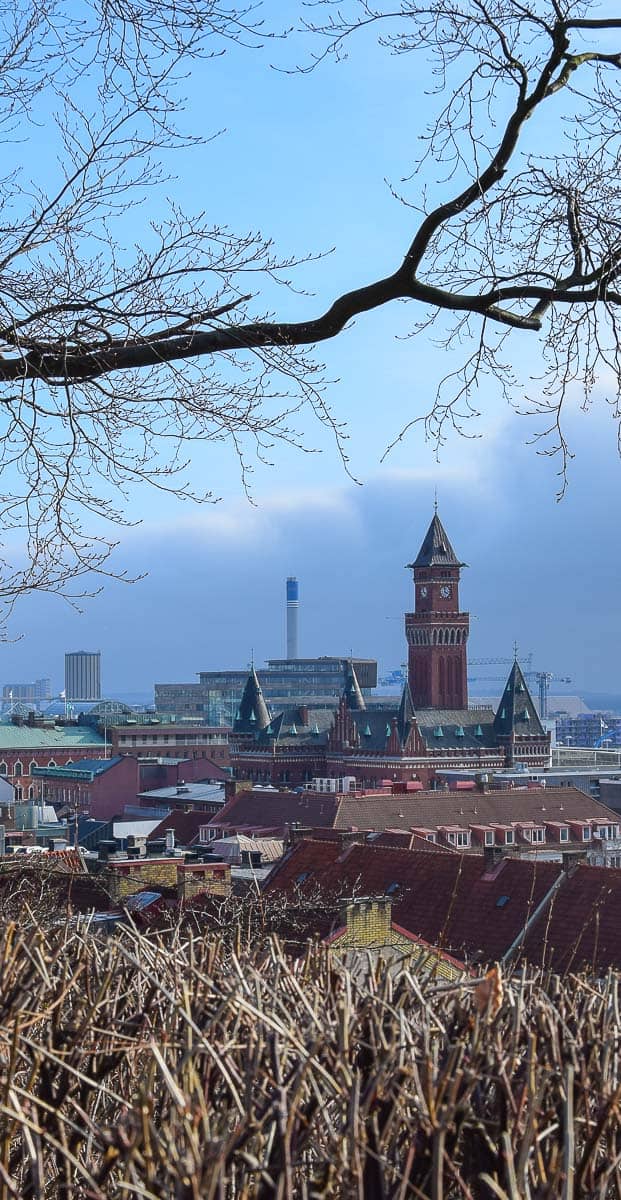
352,693
253,714
436,550
516,712
406,715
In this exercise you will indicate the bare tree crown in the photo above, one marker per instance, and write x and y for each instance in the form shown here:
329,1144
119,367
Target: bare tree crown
115,360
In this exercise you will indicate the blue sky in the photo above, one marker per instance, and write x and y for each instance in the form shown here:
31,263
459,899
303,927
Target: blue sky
304,158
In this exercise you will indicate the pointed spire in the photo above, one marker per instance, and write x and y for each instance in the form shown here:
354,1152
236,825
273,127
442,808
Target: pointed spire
352,694
516,712
253,714
406,714
436,550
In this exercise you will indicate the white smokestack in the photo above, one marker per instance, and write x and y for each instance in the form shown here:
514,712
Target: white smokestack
293,605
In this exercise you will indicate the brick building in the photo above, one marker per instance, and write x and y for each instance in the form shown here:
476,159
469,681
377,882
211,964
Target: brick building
34,742
431,728
104,788
172,740
543,822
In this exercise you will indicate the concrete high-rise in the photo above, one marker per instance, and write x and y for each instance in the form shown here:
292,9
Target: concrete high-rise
83,675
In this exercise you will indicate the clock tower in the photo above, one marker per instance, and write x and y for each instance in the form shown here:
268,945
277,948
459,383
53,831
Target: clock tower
437,632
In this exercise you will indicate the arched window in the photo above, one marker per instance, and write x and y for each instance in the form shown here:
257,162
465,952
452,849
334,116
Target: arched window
31,793
18,769
3,768
18,793
51,763
32,766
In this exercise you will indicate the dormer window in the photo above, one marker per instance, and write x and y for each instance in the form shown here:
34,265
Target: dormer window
563,834
489,837
586,833
509,837
538,835
462,838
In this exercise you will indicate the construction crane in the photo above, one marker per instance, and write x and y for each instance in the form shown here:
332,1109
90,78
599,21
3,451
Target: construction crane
609,735
543,678
498,662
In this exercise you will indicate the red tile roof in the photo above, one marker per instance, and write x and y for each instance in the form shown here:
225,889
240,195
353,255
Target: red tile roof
256,809
453,901
186,826
581,928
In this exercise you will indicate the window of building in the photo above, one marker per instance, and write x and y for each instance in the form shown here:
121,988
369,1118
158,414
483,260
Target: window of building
509,837
18,768
3,768
51,763
18,793
538,835
586,833
463,839
31,793
489,837
32,766
564,835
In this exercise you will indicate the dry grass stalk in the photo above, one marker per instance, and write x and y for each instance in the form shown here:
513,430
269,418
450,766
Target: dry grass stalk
171,1065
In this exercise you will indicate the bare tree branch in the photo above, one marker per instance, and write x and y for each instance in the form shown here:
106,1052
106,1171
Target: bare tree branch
115,361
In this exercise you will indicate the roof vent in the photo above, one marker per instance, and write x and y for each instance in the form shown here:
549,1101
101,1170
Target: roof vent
293,731
438,731
478,731
459,731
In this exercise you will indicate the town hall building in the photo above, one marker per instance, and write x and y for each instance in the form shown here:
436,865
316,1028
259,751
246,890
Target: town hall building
431,729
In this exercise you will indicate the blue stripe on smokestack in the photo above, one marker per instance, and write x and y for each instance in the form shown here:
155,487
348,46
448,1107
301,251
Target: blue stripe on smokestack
293,597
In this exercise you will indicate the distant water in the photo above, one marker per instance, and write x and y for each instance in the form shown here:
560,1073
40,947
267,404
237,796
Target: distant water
603,701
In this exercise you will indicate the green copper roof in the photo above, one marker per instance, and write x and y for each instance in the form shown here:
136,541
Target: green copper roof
60,737
353,695
516,711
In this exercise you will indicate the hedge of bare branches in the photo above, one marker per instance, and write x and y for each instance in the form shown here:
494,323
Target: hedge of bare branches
171,1066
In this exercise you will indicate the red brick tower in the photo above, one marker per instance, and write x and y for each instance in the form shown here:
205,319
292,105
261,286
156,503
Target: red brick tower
437,632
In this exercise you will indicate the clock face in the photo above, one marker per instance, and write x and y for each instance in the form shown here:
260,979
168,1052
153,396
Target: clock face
423,592
445,591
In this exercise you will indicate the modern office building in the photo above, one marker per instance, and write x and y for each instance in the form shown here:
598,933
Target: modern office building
215,698
33,693
83,675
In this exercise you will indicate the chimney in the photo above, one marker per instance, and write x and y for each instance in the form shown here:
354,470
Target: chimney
170,841
303,714
492,855
293,604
